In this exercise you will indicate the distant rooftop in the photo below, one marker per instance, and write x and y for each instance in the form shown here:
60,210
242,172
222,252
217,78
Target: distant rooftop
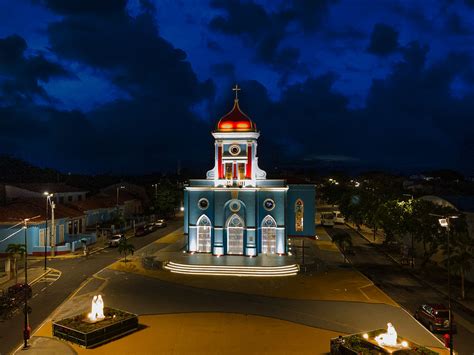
49,187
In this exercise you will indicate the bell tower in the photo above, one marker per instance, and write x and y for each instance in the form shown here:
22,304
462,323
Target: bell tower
236,161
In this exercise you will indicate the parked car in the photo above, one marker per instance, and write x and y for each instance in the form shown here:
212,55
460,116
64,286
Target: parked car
435,317
115,240
160,223
338,217
140,231
327,219
17,291
150,227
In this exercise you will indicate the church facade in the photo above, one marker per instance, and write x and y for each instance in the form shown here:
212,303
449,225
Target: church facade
236,210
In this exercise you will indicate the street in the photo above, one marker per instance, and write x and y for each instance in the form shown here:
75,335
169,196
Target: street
49,294
401,286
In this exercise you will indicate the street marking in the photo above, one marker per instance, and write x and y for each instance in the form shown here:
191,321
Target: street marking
44,288
36,294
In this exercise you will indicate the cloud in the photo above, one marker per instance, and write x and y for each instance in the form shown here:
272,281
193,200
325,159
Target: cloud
20,76
265,31
383,40
223,69
456,26
84,7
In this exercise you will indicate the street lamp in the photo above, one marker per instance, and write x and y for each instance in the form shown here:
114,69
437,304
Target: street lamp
45,240
26,310
156,190
118,189
444,221
412,252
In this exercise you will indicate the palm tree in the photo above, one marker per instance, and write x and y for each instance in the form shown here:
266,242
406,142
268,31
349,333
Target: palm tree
462,256
16,251
343,240
125,248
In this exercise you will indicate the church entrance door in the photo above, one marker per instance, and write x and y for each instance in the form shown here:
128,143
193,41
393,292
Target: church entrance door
204,234
235,235
268,235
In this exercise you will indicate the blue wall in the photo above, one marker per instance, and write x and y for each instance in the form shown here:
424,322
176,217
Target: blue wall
308,194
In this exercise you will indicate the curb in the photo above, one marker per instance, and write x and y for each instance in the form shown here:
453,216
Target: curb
36,279
465,309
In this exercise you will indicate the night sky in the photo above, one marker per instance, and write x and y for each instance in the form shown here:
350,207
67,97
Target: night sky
134,86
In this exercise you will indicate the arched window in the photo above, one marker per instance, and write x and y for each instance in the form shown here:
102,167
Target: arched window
235,235
268,235
204,234
299,212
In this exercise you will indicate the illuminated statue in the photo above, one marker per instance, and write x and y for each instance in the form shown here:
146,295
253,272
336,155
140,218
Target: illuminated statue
389,338
97,309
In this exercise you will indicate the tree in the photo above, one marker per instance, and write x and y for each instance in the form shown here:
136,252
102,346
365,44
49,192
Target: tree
461,251
343,240
16,251
125,248
166,198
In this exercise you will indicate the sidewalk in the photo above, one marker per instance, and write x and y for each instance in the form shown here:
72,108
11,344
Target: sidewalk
34,273
431,275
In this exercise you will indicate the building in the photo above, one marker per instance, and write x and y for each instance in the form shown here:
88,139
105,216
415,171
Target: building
65,233
236,210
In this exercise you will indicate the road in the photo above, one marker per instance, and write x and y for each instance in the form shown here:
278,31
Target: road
49,294
401,286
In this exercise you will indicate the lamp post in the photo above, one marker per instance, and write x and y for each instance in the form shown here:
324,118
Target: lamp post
26,330
156,190
412,251
118,189
26,309
444,221
45,240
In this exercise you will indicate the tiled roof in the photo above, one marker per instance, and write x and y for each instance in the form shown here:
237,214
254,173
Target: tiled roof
50,187
102,201
19,209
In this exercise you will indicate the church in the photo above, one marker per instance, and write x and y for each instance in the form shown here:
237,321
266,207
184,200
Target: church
236,210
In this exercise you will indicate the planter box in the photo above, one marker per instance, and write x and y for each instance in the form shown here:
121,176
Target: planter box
79,331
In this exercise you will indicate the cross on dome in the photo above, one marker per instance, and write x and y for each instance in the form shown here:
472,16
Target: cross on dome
236,120
236,89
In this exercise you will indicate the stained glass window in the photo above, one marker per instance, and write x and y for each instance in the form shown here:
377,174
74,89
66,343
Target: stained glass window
299,211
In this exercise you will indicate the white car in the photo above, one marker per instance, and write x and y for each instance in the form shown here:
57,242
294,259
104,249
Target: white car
328,219
115,240
339,218
160,223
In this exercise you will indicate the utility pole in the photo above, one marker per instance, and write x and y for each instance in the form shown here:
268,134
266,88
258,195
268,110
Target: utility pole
53,229
26,326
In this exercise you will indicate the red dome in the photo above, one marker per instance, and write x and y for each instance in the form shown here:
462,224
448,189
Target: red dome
236,121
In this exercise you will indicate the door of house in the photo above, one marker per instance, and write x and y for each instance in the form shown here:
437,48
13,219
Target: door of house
61,233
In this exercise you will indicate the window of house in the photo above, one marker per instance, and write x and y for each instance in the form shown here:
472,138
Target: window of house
69,227
299,211
79,197
61,199
80,226
69,198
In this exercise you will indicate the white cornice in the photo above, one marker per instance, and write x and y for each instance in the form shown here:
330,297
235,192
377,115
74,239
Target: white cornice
236,135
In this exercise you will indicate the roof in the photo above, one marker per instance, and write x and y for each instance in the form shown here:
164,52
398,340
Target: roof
16,210
236,121
461,203
49,187
103,201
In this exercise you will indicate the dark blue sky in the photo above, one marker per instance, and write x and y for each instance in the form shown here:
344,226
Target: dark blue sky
133,86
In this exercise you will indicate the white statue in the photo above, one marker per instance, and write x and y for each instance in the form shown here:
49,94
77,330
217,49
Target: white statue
97,309
100,308
389,338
